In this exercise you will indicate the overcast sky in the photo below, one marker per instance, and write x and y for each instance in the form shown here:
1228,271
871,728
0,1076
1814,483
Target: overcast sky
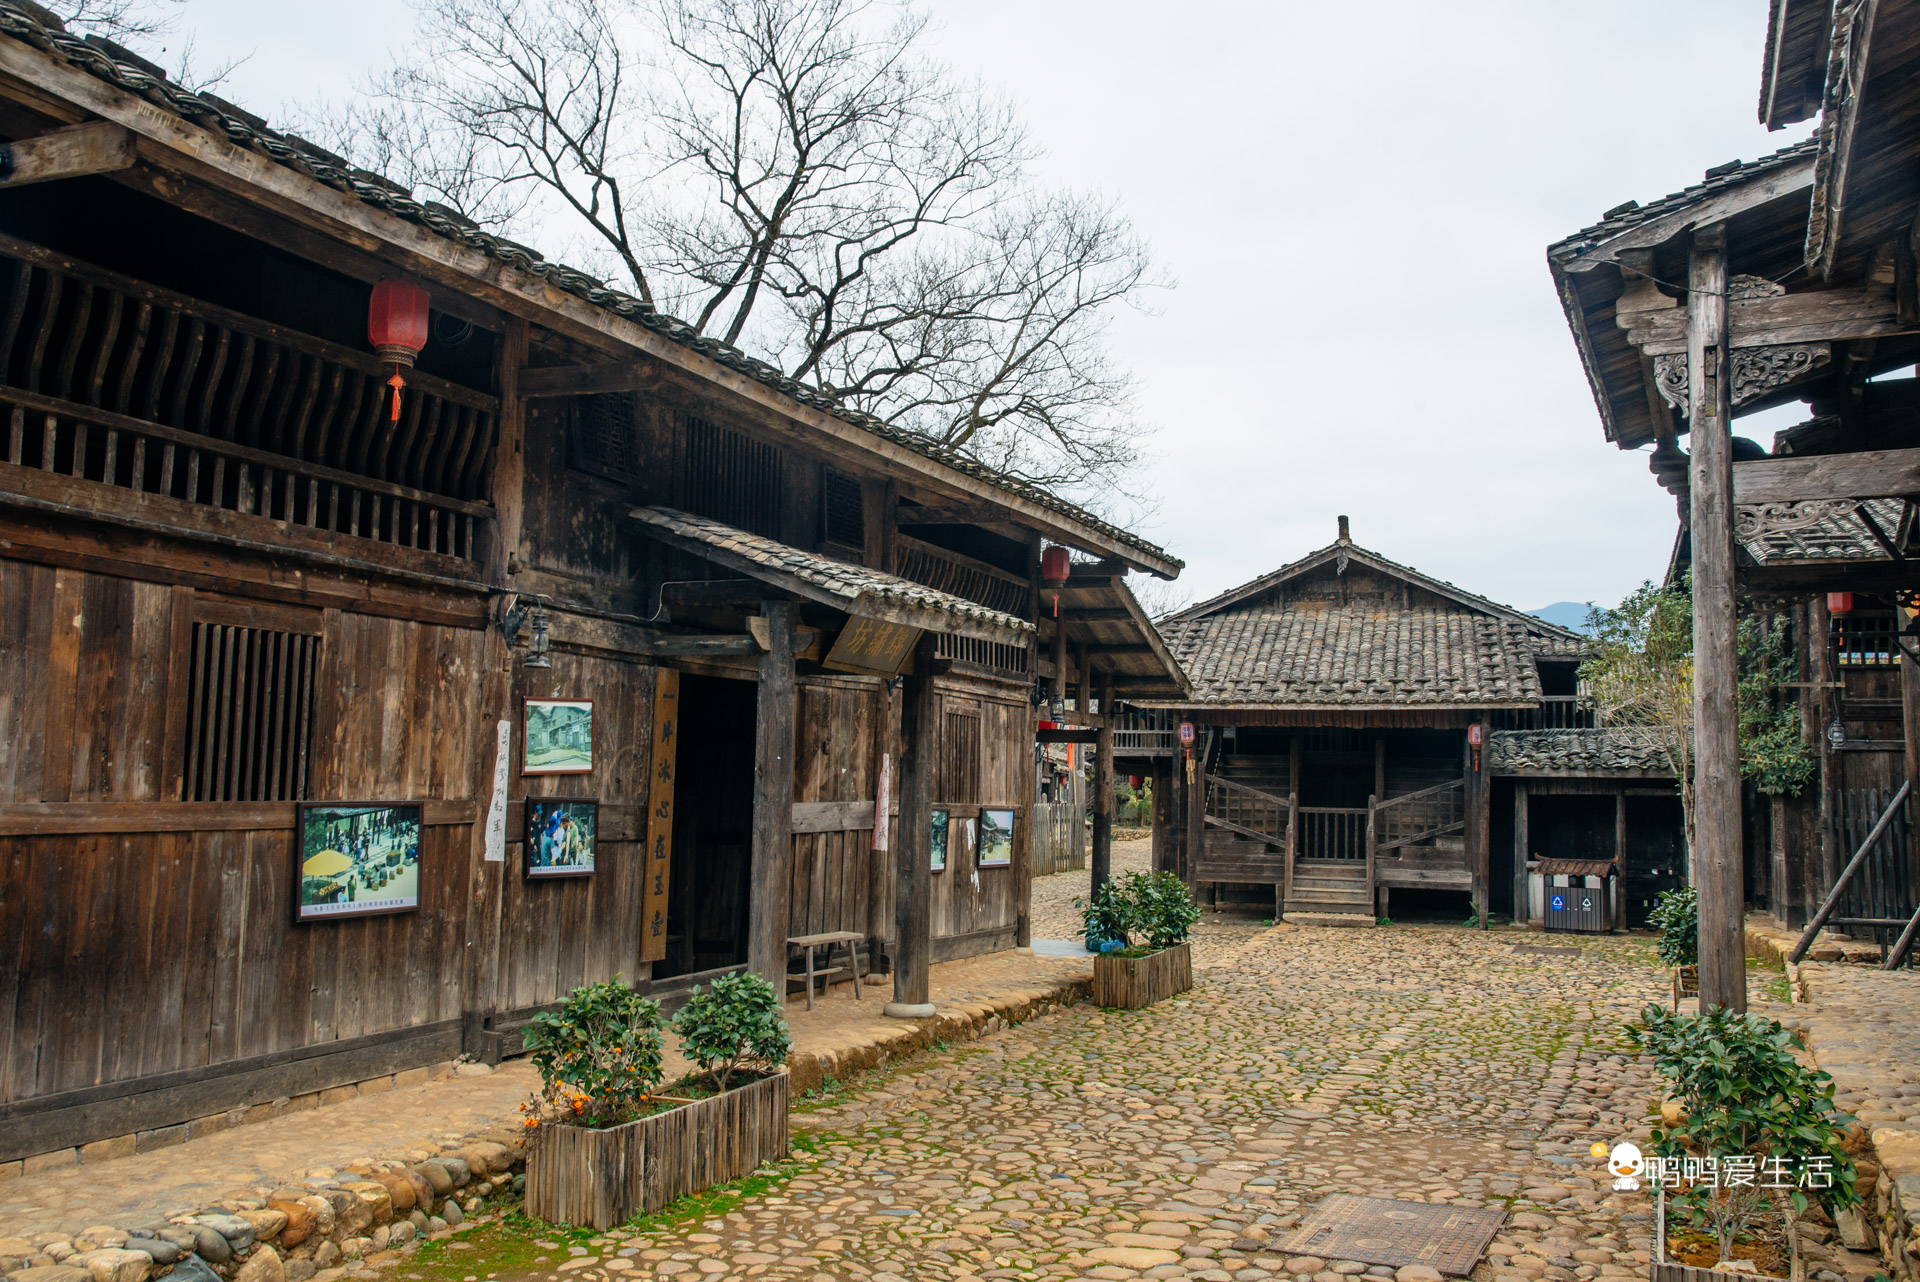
1356,202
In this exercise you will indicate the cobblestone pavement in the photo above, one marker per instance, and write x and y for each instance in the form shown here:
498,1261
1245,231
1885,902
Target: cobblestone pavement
1053,913
1425,1063
1860,1024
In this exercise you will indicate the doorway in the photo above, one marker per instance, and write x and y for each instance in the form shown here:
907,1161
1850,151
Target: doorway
712,865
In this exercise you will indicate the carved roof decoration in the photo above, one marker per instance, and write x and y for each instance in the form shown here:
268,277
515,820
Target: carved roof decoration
1574,752
1446,648
852,588
1784,533
125,70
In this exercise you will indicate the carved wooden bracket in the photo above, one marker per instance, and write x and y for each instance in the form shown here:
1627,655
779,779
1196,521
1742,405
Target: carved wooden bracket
1756,371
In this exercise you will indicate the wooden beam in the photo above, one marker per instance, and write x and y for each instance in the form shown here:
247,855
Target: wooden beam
1817,316
1868,474
769,893
97,147
952,514
1066,736
912,879
581,380
1717,829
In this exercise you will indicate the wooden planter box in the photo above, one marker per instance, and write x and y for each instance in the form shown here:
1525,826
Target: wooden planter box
1669,1272
603,1177
1130,983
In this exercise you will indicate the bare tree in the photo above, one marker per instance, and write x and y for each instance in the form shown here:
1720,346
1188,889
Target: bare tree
795,177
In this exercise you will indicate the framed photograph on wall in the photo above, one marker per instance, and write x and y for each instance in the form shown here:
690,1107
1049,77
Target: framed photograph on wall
939,843
562,835
356,859
557,737
996,838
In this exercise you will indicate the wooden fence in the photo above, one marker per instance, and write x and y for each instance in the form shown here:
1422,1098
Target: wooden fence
1059,838
1881,897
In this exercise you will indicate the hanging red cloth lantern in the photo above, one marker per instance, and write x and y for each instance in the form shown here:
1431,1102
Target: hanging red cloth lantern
1055,565
397,328
1134,781
1839,603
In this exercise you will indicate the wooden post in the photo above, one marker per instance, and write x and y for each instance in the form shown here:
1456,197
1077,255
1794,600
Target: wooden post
1102,859
1716,789
1522,888
507,481
1164,853
1620,859
1479,830
912,879
1030,775
1380,765
1825,866
773,801
1197,812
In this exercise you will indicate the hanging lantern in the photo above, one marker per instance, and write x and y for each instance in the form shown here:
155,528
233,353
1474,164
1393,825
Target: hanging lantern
397,328
1134,781
1055,565
1839,603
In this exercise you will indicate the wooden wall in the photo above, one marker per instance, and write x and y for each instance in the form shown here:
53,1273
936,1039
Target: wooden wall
974,909
839,734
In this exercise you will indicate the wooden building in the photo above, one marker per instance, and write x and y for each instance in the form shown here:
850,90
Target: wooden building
1787,279
234,584
1351,711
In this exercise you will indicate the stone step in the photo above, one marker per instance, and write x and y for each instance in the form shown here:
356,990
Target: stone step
1317,904
1307,917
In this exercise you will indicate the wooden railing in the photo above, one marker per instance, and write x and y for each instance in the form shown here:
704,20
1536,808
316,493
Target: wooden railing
954,572
1555,712
1401,821
76,441
1328,832
1247,810
1146,730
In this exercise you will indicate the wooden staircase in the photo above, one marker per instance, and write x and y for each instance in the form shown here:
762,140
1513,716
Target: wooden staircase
1330,886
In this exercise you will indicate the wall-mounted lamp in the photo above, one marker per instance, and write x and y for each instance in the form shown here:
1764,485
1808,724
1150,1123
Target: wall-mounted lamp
1837,733
537,640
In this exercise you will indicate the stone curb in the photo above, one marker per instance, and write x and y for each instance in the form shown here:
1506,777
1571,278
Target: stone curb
871,1046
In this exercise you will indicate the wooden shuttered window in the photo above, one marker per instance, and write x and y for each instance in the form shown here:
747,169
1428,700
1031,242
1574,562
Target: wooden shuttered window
249,714
604,436
843,515
960,759
733,478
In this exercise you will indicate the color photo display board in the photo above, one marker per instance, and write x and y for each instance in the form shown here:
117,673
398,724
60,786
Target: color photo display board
561,837
559,737
357,859
996,838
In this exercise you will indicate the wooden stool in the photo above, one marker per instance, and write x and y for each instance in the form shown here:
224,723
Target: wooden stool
829,940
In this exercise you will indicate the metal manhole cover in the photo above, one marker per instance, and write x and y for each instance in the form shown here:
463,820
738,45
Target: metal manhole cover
1378,1230
1538,951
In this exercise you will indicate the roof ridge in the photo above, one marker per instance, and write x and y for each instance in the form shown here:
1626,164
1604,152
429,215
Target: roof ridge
1730,174
289,150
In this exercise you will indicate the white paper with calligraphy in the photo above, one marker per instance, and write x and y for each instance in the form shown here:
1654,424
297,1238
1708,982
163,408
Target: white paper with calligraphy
497,807
883,802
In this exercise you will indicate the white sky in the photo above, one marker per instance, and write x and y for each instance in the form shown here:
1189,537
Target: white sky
1355,201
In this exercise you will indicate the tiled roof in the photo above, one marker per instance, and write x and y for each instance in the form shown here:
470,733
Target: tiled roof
1312,654
1731,174
847,586
1517,752
118,67
1842,536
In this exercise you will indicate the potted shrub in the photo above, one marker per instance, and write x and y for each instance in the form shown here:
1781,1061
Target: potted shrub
608,1142
1745,1097
1676,915
1157,909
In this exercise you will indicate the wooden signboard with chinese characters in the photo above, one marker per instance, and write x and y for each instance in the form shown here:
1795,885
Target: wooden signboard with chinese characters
868,645
666,729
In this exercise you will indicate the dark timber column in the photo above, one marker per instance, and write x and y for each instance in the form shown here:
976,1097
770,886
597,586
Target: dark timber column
1619,882
912,880
1522,890
770,891
1165,858
1716,837
1197,810
1102,786
1030,772
1479,830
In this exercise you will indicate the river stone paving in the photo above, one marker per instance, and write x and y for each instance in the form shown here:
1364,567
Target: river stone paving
1053,913
1428,1063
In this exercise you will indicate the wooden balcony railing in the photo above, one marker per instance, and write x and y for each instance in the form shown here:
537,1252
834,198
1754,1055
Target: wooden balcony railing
76,441
1328,832
1555,712
1247,810
1401,821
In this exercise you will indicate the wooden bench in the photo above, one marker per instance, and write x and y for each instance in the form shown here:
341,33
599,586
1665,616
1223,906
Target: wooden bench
829,940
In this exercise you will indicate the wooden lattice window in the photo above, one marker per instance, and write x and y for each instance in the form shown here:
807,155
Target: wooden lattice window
1866,639
960,761
843,513
733,478
604,439
249,714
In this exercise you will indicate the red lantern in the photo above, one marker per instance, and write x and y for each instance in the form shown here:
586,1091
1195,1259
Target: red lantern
1055,565
1839,603
397,328
1134,781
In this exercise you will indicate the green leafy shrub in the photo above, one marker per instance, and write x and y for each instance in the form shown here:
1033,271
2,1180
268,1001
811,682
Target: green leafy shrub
1163,908
1676,915
1107,917
599,1055
735,1023
1746,1094
1157,905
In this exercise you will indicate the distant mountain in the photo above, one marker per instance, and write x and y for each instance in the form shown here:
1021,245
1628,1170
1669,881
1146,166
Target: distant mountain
1568,614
